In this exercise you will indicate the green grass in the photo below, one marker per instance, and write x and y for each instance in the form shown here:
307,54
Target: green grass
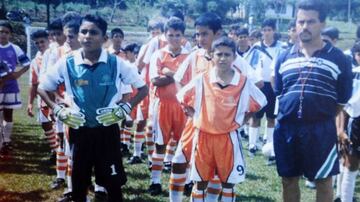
27,175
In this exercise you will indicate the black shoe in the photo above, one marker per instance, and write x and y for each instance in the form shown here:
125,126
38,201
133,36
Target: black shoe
58,183
125,151
6,148
337,199
52,158
67,197
100,196
167,167
188,189
134,160
252,151
243,134
155,189
149,165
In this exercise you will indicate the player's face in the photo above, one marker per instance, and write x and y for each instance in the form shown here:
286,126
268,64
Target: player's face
357,57
253,40
268,33
243,40
155,32
130,56
223,57
292,34
4,35
57,36
308,25
91,37
41,44
71,39
204,36
117,39
174,38
232,35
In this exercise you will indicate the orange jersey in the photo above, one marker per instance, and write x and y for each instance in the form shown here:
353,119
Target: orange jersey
220,110
35,68
197,62
164,59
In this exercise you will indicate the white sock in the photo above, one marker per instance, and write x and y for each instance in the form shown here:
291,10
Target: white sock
187,174
8,126
138,141
197,195
213,189
228,195
269,132
348,185
99,188
339,178
253,136
157,166
68,175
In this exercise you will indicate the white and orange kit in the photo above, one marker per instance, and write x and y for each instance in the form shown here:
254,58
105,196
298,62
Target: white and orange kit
170,118
219,112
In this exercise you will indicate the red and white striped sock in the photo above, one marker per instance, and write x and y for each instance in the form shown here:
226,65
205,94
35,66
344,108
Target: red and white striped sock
157,166
176,186
138,141
50,136
127,133
61,163
149,138
68,174
170,150
228,195
213,189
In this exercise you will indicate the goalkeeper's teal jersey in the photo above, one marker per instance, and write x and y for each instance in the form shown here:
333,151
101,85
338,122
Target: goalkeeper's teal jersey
91,87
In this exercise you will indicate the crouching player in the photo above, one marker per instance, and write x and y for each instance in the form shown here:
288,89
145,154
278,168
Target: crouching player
220,100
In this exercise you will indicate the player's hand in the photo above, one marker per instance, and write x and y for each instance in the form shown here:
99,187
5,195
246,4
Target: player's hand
30,110
344,143
111,115
189,111
70,117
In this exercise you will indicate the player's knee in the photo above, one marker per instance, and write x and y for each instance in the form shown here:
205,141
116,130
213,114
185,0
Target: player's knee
160,149
179,168
324,184
270,122
227,185
290,181
255,122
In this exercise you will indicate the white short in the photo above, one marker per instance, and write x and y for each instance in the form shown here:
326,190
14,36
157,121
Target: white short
44,115
10,101
59,126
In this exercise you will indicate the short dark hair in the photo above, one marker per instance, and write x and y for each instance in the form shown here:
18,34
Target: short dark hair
155,24
55,25
97,20
255,33
269,23
242,31
132,47
116,31
358,32
176,24
7,25
175,13
209,19
356,48
71,16
224,41
314,5
41,33
74,25
331,32
234,27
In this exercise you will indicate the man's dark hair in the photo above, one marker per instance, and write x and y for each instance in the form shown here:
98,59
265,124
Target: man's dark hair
155,24
97,20
255,34
7,25
356,48
116,31
55,25
132,47
74,25
211,20
39,34
175,13
242,31
176,24
224,41
314,5
269,23
331,32
70,16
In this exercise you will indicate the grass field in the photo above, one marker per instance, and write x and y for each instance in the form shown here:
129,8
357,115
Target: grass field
27,174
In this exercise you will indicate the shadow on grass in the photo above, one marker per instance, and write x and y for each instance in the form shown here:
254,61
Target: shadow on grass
8,196
254,198
29,156
251,176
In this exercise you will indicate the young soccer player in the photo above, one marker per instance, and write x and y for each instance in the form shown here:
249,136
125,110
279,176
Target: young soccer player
170,119
41,41
91,115
10,56
219,100
116,38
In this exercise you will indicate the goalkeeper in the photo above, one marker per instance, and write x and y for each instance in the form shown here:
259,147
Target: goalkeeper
93,80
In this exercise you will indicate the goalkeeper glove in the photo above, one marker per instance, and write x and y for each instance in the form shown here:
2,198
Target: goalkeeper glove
110,115
70,117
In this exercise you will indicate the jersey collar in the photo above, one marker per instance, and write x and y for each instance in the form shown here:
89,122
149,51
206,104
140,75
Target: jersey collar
235,80
78,59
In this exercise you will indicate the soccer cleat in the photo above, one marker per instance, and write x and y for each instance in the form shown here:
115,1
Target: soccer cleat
243,134
310,184
125,150
58,183
100,196
167,167
155,189
134,160
252,151
67,197
188,189
337,199
271,161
